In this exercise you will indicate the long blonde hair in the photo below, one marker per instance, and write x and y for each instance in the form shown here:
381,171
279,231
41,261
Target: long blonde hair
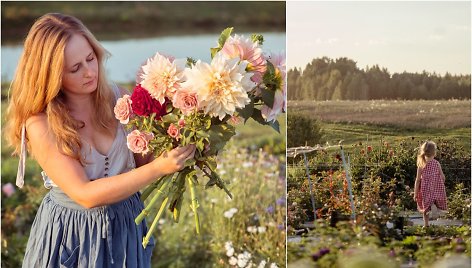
427,149
36,86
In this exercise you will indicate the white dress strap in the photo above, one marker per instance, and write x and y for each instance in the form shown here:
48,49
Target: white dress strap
20,175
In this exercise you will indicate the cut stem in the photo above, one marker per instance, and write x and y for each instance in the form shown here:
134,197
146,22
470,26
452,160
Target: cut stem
194,206
154,222
154,199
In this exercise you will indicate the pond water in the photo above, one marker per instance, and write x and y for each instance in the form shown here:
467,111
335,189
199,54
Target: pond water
128,55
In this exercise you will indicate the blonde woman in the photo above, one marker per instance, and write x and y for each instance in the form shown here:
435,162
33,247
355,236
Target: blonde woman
61,109
429,185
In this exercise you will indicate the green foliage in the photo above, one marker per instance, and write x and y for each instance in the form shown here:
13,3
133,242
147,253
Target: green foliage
458,203
302,130
221,41
341,79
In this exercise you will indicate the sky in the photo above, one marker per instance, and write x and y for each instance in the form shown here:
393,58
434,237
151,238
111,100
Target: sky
400,36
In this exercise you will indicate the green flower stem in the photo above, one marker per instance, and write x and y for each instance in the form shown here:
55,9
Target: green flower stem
219,182
194,204
154,199
151,187
154,222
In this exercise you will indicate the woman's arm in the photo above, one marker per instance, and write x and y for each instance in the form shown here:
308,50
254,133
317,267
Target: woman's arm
417,182
70,176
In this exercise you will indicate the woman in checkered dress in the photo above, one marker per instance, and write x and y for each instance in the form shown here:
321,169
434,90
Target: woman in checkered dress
429,184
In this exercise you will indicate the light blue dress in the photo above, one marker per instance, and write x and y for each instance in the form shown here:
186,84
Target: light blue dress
65,234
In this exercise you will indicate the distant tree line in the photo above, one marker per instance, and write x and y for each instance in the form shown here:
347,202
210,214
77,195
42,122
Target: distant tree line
341,79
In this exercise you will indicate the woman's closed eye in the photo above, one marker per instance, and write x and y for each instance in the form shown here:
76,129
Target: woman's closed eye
89,58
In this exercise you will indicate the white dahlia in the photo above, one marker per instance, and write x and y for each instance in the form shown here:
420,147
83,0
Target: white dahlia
221,86
162,76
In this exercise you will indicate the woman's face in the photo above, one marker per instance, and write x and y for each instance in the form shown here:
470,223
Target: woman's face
80,74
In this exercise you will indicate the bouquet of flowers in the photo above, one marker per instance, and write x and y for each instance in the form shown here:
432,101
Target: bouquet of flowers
177,102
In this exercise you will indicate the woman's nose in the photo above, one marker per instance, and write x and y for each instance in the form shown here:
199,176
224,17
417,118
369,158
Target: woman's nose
89,71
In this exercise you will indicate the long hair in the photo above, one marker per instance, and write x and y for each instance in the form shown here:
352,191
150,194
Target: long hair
36,86
427,149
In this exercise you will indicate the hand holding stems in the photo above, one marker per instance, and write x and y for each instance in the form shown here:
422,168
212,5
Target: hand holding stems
174,160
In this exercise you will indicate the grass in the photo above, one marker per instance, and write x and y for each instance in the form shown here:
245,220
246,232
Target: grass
359,121
354,133
417,114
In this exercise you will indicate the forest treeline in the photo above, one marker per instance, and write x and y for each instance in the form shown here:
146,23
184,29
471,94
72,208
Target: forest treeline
341,79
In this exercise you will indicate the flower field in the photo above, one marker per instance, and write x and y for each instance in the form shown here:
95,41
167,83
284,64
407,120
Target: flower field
383,233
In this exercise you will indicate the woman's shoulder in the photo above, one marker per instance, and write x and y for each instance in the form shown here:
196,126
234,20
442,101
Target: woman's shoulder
36,121
37,127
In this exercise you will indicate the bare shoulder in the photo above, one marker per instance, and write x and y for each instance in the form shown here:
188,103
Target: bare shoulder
37,126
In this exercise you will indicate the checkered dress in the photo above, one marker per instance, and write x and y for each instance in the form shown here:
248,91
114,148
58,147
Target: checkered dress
432,189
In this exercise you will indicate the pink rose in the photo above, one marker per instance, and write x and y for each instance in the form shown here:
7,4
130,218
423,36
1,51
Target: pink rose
185,100
138,141
181,122
123,109
173,131
8,189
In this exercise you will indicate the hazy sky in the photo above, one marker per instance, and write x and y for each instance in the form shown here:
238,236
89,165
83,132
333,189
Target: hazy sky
401,36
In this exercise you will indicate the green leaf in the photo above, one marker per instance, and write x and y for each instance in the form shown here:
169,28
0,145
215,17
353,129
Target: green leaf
221,41
275,125
200,145
219,136
190,62
202,134
213,51
247,111
257,38
224,35
268,97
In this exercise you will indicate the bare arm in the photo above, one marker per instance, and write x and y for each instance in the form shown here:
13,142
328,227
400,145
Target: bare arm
417,182
70,176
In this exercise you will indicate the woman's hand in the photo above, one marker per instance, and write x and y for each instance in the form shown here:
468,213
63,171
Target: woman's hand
174,160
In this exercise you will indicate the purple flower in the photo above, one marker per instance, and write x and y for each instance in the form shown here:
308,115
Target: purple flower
270,209
281,227
281,201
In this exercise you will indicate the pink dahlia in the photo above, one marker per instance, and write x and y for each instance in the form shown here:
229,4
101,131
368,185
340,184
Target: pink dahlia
245,49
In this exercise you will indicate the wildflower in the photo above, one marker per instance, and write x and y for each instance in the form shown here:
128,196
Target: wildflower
247,164
281,201
262,264
230,213
233,261
252,229
261,229
8,189
273,265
